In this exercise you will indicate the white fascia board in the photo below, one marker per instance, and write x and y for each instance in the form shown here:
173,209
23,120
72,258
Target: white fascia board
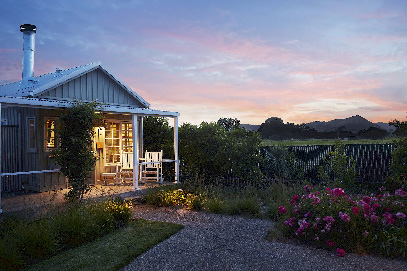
53,104
64,79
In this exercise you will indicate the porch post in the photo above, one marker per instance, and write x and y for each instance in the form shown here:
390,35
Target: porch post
1,142
176,150
141,136
135,152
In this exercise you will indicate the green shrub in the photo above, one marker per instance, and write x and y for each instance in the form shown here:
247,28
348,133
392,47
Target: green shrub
169,196
244,205
338,169
215,205
25,242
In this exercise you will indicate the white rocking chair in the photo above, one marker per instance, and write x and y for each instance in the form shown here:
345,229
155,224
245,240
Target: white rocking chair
126,171
152,168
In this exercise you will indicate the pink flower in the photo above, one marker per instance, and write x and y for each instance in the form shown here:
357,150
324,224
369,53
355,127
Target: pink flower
340,252
316,200
376,205
389,219
374,218
282,210
338,192
328,191
344,216
400,215
330,243
308,187
295,199
400,192
296,211
367,199
307,214
290,222
355,210
328,219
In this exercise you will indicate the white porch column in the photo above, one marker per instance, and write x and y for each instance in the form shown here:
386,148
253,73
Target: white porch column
135,152
176,150
141,135
0,160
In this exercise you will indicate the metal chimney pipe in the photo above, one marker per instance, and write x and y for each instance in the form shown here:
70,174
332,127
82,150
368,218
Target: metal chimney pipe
29,31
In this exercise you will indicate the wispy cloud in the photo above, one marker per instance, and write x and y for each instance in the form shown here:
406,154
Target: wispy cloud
296,60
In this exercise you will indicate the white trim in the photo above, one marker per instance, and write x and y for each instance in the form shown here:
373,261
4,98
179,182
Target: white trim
50,103
30,172
29,149
176,150
135,152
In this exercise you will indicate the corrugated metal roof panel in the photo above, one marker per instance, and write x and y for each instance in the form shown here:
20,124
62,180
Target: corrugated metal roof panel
42,83
18,89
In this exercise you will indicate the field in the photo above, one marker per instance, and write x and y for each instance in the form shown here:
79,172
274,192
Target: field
295,142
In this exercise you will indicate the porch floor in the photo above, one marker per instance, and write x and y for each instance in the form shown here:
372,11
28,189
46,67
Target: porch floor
36,201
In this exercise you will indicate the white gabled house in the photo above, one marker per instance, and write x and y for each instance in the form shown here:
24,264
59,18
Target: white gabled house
30,107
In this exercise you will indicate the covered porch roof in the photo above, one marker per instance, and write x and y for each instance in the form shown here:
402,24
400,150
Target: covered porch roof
137,124
53,104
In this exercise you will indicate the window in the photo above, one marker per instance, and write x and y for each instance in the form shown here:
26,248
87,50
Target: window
32,143
50,142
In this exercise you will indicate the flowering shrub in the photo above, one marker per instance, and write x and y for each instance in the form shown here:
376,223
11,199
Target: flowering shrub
331,219
173,197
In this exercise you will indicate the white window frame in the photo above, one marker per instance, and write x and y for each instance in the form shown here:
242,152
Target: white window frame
29,147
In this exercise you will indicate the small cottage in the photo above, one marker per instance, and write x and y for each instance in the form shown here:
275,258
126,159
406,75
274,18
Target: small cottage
30,107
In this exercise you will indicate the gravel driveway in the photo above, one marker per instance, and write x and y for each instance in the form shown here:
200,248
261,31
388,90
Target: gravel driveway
221,242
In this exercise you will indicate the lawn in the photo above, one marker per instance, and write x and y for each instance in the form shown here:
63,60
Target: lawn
112,251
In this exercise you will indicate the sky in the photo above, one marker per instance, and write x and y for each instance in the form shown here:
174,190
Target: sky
298,60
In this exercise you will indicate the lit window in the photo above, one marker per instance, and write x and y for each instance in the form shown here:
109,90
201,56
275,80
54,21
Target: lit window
50,133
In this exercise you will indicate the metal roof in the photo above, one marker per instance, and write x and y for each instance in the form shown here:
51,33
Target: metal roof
52,104
40,84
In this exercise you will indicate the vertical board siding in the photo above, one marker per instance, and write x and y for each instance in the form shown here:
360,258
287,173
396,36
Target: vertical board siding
91,86
9,158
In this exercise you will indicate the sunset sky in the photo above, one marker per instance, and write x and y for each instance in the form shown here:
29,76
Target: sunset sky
297,60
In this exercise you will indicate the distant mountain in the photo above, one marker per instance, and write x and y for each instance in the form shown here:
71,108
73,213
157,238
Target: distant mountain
386,126
353,124
250,127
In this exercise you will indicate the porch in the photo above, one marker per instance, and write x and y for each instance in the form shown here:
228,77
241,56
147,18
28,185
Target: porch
28,156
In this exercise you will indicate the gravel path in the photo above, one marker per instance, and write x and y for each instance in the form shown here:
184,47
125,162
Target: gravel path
220,242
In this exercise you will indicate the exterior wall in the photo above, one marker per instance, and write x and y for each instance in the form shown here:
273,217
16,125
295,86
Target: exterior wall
91,86
17,157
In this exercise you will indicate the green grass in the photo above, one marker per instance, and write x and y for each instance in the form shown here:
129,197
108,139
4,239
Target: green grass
267,142
112,251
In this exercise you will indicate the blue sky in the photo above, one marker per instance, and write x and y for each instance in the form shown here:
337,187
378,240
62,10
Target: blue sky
298,60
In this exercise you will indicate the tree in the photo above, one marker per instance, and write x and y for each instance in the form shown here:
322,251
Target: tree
212,153
75,154
228,123
398,168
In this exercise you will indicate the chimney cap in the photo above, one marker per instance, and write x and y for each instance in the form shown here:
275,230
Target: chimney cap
28,27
